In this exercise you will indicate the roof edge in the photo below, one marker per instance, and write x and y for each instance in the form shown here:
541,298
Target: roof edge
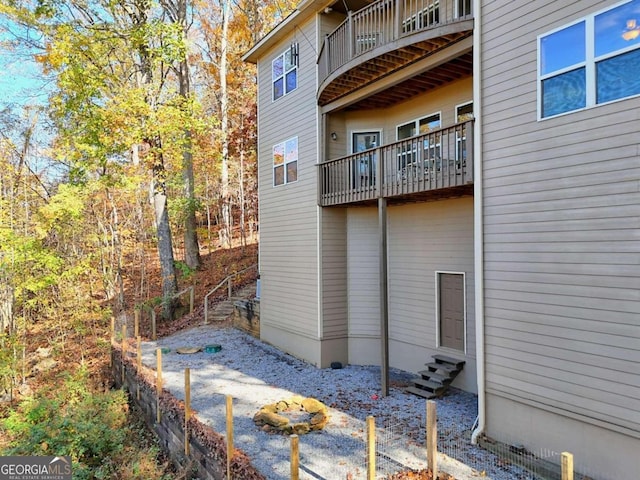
284,28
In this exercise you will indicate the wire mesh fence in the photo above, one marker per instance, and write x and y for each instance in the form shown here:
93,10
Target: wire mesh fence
402,448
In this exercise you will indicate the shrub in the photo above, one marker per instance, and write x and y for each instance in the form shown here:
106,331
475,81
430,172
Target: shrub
89,427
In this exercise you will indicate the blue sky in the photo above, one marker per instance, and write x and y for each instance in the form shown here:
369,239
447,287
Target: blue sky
21,79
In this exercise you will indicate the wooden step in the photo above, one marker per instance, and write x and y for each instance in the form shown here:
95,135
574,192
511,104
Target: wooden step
434,387
436,377
420,392
452,361
435,381
443,366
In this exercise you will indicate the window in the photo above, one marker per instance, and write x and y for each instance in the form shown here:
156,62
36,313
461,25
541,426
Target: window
284,72
418,127
592,61
464,7
364,165
464,113
285,162
408,151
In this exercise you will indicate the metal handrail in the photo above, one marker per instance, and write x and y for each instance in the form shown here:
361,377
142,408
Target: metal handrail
227,280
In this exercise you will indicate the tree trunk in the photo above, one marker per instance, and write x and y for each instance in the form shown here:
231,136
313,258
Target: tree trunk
243,231
6,306
224,125
163,231
159,174
191,244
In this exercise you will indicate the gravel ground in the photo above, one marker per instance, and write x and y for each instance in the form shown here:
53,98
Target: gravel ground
256,374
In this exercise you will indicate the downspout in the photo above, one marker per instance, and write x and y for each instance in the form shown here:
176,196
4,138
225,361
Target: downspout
478,220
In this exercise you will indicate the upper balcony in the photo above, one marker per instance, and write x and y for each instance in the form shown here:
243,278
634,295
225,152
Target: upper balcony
386,36
437,164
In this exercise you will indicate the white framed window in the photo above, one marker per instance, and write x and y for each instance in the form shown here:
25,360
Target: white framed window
464,113
284,72
592,61
364,165
463,8
285,162
407,151
419,126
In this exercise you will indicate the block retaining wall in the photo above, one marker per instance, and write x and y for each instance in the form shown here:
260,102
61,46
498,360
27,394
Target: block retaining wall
207,459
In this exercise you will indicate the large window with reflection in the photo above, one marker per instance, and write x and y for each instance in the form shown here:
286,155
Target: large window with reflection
592,61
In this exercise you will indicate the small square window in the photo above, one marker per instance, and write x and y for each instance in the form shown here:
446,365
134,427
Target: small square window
285,162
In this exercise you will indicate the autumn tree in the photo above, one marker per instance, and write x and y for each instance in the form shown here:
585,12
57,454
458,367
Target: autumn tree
176,10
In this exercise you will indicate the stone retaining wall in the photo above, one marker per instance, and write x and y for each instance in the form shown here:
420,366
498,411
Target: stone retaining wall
207,459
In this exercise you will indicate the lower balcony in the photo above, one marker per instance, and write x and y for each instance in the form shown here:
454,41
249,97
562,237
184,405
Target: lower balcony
437,164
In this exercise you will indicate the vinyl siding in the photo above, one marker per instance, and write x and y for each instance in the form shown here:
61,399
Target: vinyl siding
363,272
334,274
422,239
443,100
561,235
334,242
288,213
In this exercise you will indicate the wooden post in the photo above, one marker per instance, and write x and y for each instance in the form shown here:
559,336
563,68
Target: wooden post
229,288
192,298
432,438
154,335
136,322
295,458
371,448
187,408
113,339
123,350
158,382
138,363
139,352
567,466
384,289
229,434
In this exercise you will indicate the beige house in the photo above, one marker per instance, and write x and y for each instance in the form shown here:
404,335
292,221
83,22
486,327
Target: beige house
448,177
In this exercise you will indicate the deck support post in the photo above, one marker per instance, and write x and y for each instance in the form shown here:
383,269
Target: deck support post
384,307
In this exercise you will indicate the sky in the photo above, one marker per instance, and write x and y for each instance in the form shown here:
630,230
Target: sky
21,79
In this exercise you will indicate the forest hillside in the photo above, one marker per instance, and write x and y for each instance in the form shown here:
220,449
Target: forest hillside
128,171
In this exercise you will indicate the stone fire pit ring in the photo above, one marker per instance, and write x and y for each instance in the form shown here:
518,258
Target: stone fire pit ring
271,418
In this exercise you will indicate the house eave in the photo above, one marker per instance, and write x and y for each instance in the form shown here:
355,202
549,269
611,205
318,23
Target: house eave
285,28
